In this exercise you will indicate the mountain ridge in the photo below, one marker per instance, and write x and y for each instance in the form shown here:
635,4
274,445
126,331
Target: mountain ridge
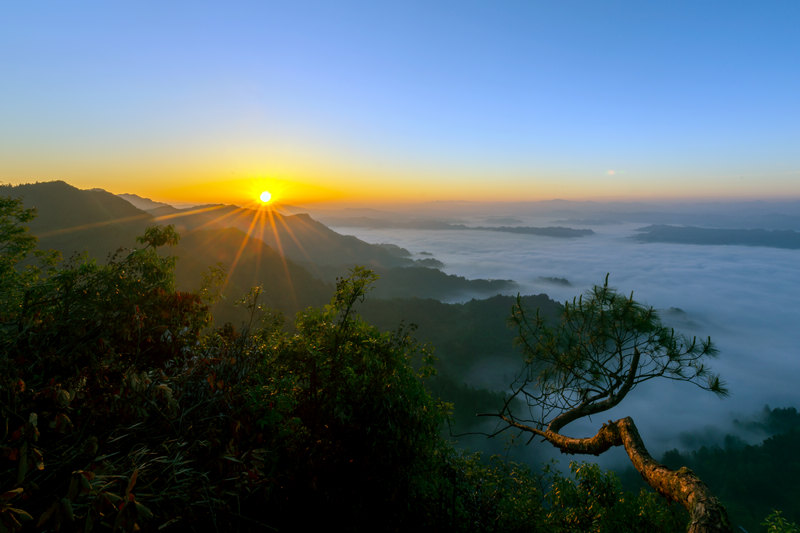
287,252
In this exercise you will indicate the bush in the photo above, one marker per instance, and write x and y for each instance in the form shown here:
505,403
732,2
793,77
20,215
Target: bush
125,411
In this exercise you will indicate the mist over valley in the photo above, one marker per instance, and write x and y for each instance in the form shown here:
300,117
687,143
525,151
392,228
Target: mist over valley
453,275
742,296
400,266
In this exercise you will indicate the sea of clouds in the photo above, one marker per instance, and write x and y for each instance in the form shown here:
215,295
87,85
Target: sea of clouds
746,298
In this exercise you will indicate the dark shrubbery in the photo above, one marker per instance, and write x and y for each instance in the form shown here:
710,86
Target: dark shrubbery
124,409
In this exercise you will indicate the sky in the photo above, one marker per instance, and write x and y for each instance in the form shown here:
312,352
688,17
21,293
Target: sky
362,101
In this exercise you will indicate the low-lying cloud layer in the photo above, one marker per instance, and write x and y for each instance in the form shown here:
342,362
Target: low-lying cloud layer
747,299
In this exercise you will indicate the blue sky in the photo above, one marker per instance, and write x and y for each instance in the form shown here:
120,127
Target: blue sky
405,100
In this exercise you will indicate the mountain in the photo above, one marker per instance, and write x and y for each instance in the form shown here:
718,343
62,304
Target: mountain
145,204
73,220
299,237
328,254
714,236
464,334
423,282
248,263
70,219
432,224
295,258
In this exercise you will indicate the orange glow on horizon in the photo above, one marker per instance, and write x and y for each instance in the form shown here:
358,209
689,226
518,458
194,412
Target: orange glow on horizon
396,186
392,194
244,192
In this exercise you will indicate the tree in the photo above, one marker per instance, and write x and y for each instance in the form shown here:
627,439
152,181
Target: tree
20,261
604,346
593,500
82,311
354,430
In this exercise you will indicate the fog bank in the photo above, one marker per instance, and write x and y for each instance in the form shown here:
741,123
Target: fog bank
745,298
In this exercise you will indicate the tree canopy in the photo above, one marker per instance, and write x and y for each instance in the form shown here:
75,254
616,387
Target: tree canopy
603,347
126,408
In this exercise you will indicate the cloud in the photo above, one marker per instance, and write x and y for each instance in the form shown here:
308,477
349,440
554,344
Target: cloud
745,298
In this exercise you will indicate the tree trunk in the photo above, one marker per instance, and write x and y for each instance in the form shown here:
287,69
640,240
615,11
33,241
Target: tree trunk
706,513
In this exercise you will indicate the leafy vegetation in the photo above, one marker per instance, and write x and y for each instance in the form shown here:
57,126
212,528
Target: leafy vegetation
593,500
125,408
775,523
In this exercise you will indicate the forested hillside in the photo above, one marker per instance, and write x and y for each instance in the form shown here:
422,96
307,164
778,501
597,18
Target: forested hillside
127,407
124,410
295,258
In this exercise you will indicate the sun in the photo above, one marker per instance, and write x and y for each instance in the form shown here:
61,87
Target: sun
265,197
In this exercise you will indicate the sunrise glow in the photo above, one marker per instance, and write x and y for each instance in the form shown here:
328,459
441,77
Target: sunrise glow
327,193
543,106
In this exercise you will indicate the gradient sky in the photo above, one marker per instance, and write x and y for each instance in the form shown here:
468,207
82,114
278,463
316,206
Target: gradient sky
413,100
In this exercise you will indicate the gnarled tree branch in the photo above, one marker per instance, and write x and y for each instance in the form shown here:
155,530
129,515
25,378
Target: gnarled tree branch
706,513
602,348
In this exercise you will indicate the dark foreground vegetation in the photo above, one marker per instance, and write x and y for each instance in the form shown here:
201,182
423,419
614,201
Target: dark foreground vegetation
125,408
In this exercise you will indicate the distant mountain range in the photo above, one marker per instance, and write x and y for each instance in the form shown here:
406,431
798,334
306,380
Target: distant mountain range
298,237
145,204
73,220
778,214
717,236
294,257
427,224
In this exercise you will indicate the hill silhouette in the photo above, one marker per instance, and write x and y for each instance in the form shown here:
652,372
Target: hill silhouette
72,221
299,237
716,236
432,224
328,254
295,258
287,287
145,204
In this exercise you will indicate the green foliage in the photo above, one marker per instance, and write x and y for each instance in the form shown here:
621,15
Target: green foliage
21,264
775,523
89,316
16,243
123,411
363,426
602,347
594,501
492,495
84,350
